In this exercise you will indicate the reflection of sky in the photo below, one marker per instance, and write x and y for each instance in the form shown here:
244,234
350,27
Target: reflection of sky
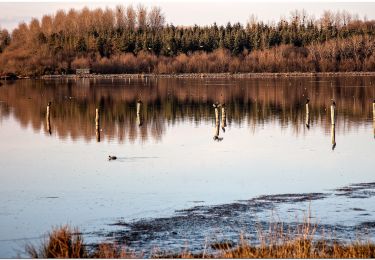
188,12
155,178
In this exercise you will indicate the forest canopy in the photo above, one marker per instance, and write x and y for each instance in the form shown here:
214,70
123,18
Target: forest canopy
138,40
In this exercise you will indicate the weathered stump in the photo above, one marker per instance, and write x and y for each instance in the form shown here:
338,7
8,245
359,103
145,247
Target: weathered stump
307,119
48,120
333,114
97,125
223,117
373,115
333,136
139,113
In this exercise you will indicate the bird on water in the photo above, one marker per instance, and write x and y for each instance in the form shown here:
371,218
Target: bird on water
112,157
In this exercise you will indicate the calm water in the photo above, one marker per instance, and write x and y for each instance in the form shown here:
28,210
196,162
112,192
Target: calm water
171,155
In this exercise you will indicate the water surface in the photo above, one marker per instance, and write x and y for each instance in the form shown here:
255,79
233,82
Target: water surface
172,155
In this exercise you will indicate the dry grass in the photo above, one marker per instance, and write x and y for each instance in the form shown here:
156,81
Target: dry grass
299,243
276,242
303,249
63,242
109,250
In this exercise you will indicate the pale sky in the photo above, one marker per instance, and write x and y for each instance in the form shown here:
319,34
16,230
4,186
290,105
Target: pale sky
183,12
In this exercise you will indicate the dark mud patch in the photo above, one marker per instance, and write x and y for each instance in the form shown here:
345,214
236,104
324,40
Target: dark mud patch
357,209
357,190
203,227
50,197
366,225
293,198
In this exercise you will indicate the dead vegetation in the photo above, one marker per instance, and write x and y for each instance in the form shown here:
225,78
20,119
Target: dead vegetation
279,241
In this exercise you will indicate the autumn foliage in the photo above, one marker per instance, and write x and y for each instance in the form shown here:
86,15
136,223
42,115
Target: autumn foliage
137,40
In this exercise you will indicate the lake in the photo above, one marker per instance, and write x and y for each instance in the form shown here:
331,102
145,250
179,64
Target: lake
176,162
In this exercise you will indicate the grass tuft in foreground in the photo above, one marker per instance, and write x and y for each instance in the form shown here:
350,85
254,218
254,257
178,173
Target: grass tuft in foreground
63,242
66,242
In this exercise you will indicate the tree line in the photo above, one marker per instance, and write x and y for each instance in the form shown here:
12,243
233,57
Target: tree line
138,40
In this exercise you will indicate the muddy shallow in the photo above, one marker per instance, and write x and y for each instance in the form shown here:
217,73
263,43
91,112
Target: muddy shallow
205,229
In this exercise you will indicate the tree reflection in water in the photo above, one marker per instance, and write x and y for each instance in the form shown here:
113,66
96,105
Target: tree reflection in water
169,101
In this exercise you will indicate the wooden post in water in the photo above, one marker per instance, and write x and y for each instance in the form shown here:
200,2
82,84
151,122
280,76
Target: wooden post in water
223,117
307,122
97,124
139,113
333,136
333,112
217,123
48,118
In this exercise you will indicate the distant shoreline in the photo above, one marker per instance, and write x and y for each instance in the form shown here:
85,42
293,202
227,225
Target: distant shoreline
250,75
209,75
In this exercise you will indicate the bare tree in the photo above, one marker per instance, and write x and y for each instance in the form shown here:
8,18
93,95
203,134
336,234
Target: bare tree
59,21
108,20
4,39
346,17
327,19
120,17
130,18
299,17
47,25
156,18
142,17
252,21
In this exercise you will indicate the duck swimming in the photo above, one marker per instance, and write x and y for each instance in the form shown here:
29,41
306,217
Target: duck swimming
111,157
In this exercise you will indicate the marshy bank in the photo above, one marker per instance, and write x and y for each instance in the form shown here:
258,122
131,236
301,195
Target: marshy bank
235,230
211,75
222,75
205,229
278,241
